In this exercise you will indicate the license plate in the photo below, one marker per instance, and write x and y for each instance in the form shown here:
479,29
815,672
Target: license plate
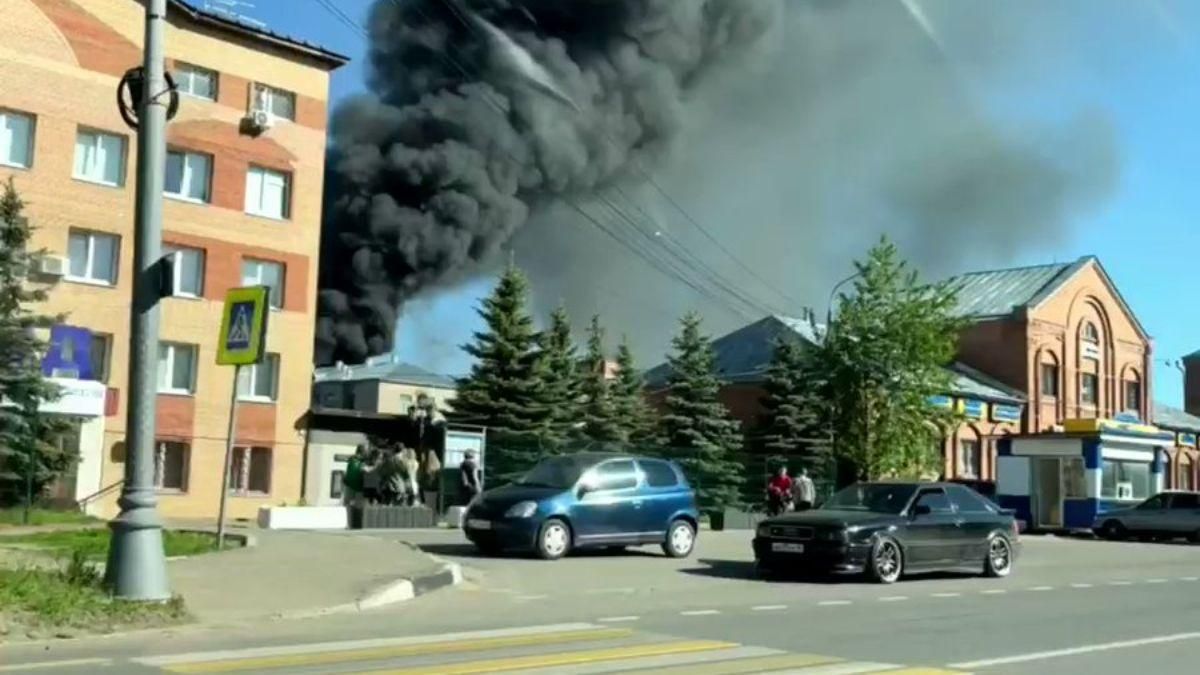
476,524
783,547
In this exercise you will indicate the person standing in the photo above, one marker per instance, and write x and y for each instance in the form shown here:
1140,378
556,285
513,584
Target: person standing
352,482
470,478
805,491
779,492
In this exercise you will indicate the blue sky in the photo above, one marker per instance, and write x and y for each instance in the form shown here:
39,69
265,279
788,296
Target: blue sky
1140,70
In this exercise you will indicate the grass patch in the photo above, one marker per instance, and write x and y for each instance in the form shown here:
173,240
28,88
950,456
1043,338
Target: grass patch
93,544
72,599
13,516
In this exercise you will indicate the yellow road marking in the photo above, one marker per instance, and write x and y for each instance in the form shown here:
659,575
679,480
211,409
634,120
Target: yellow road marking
760,664
923,671
559,659
381,653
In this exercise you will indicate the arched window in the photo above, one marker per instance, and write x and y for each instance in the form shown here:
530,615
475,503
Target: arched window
1088,333
1131,386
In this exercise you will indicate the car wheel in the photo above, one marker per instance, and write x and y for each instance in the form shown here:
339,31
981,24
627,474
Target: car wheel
1114,530
999,559
681,539
554,539
764,571
1194,537
887,561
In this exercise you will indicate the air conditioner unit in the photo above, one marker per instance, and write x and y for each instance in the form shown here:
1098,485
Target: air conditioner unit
53,265
259,119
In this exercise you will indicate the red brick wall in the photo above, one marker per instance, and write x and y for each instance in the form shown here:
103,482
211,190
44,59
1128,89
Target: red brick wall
176,417
96,45
223,267
256,424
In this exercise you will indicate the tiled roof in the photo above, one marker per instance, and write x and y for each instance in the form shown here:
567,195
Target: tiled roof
1169,417
228,23
1001,292
745,354
385,369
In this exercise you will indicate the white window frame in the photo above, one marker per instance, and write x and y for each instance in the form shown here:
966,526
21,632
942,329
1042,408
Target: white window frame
172,347
257,280
256,207
1083,401
186,179
29,139
251,374
160,454
90,263
177,253
185,75
264,96
97,136
239,471
968,469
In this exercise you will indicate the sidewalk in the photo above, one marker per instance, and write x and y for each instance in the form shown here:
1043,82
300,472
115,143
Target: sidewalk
295,574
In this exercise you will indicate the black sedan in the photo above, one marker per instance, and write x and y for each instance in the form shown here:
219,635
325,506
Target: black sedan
885,530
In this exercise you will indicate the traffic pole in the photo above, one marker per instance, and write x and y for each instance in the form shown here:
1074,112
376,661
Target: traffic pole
229,446
137,567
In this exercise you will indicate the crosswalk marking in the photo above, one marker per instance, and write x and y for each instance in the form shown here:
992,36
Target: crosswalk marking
381,653
560,659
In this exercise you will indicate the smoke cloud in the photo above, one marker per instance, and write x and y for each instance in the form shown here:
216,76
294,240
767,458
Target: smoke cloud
460,139
794,133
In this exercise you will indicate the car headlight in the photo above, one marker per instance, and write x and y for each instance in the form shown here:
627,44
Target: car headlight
521,510
831,535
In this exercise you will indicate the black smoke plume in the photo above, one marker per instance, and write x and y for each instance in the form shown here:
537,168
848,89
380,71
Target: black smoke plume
459,142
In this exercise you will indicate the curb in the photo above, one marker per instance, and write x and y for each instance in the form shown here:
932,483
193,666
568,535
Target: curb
391,593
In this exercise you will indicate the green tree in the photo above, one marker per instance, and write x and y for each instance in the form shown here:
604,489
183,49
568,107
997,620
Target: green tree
30,455
503,390
633,413
599,415
795,422
559,392
696,427
882,360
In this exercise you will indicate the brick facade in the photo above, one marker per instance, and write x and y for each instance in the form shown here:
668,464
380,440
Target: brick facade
62,61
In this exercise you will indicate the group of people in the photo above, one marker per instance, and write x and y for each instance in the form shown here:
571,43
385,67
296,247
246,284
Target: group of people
386,476
787,494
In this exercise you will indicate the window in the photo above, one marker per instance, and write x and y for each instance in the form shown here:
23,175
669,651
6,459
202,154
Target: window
188,175
93,257
265,273
250,471
16,139
1089,384
1155,503
968,458
1183,502
616,475
101,349
176,368
936,500
188,270
171,466
267,193
279,102
258,382
1074,485
1049,373
658,474
1124,480
967,500
337,484
1133,395
1089,333
100,158
196,81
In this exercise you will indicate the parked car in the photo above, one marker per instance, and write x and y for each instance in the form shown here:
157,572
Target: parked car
1166,515
886,530
588,500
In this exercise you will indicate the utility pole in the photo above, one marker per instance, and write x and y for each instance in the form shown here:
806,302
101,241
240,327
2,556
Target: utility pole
137,567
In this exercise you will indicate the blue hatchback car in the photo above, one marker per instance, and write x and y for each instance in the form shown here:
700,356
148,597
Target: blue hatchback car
588,500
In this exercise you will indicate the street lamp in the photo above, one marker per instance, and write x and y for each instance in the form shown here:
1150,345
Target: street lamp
832,296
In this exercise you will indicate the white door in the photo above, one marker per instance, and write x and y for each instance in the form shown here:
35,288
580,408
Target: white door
1047,492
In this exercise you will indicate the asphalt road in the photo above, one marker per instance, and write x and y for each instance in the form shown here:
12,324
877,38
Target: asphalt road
1071,606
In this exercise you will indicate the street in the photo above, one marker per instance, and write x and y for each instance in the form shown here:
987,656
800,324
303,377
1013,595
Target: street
1072,606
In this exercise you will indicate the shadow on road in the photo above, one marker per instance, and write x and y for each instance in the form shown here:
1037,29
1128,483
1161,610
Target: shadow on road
745,570
465,550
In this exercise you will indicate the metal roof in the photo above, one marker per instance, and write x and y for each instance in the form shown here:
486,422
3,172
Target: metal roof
1170,417
1001,292
385,369
229,24
974,384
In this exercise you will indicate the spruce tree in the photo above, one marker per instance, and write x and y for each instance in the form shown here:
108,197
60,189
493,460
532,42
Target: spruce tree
795,423
633,413
503,391
696,427
600,423
557,368
30,457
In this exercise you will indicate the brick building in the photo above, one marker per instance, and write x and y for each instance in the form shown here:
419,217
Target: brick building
242,207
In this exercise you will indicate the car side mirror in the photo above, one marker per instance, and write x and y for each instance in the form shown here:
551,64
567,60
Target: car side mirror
922,510
583,489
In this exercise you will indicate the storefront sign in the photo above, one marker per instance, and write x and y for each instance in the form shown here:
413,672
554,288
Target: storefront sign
1006,413
941,401
975,410
79,397
1185,439
69,354
1091,351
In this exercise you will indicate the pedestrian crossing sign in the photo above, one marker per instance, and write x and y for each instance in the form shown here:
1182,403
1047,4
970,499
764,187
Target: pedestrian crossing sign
243,326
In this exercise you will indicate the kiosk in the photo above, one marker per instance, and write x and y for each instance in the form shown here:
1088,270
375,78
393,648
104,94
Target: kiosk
1063,480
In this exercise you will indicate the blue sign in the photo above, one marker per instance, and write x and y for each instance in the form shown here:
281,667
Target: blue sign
1127,417
241,326
941,401
1005,413
69,354
973,409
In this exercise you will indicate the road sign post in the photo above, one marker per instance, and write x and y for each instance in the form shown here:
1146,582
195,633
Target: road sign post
242,342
